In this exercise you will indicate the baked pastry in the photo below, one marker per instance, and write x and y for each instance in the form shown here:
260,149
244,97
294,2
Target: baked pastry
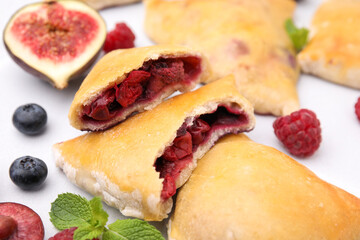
136,166
134,80
101,4
244,37
333,51
245,190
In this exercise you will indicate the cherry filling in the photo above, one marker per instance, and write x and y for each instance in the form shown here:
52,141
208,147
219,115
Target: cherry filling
141,86
177,156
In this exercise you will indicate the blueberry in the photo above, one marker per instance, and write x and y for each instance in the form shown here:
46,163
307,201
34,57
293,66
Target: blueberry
30,119
28,172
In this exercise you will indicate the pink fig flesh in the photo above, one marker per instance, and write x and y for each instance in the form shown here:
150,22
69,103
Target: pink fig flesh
55,41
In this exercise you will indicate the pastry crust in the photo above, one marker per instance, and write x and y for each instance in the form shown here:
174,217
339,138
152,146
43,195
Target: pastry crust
245,190
114,67
118,164
333,52
243,37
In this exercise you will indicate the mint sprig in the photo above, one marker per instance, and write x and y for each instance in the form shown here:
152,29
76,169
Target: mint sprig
71,210
298,36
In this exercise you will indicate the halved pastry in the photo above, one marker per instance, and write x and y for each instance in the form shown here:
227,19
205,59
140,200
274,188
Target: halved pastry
133,80
245,190
246,38
333,52
136,166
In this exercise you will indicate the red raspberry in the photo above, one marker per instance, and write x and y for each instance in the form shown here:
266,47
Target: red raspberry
357,108
120,37
67,234
300,132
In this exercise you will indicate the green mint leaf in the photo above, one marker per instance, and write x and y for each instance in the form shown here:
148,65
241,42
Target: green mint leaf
131,229
88,232
70,210
110,235
298,36
100,217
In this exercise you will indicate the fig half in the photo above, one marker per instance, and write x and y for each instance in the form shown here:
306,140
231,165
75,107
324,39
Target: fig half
55,41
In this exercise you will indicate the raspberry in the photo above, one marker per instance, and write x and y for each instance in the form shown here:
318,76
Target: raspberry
357,108
300,132
164,73
168,72
120,37
67,234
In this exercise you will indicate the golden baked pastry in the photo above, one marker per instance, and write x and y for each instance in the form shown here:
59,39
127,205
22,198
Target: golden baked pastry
245,190
333,52
133,80
244,37
136,166
101,4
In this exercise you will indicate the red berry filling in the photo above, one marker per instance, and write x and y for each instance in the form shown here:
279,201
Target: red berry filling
177,156
142,86
121,37
131,88
99,109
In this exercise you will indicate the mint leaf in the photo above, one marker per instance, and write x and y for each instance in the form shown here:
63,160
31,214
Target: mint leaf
131,229
298,36
100,217
70,210
110,235
88,232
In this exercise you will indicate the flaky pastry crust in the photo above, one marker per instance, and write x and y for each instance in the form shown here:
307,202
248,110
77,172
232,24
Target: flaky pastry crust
333,52
245,190
118,164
